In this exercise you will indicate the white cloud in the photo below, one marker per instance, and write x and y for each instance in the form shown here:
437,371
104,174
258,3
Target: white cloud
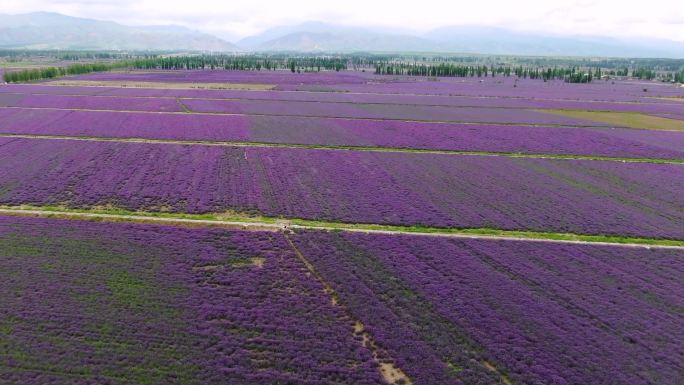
234,19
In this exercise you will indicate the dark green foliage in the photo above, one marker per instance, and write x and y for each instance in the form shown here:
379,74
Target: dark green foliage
33,74
569,74
644,73
573,70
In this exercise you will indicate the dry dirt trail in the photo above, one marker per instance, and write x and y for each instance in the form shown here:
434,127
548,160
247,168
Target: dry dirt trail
285,225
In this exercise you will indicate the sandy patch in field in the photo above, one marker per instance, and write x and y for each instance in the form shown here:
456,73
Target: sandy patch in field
254,261
675,98
161,85
390,373
624,119
493,368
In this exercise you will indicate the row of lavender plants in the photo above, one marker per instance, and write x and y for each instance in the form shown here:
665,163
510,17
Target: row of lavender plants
279,108
533,313
97,303
223,76
586,197
90,103
613,90
347,132
501,87
644,105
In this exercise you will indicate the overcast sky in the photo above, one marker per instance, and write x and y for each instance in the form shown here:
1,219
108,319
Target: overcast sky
235,19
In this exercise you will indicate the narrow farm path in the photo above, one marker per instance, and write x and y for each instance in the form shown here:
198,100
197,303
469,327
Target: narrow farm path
386,364
280,224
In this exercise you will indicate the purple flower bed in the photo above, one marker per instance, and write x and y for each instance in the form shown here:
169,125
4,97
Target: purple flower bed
267,107
645,105
349,81
89,103
538,313
86,303
125,124
589,197
504,87
383,111
347,132
39,88
223,76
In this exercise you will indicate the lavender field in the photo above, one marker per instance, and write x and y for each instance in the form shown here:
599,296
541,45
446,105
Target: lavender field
586,141
111,303
340,228
293,108
646,104
547,314
585,197
206,304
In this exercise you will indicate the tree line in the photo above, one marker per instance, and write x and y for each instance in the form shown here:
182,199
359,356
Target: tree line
199,62
575,71
33,74
571,74
243,63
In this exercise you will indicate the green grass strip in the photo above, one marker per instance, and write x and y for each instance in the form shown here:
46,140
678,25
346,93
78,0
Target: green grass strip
623,119
238,220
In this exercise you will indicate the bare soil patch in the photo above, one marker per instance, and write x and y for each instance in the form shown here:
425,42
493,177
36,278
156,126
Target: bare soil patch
624,119
162,85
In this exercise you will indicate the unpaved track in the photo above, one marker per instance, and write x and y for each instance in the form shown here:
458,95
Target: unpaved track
257,226
386,364
284,225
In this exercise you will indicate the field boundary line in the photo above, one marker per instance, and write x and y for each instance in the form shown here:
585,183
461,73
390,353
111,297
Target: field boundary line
183,107
244,222
366,339
105,217
351,148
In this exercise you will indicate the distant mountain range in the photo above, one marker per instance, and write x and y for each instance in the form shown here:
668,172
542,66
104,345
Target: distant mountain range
317,36
314,36
43,30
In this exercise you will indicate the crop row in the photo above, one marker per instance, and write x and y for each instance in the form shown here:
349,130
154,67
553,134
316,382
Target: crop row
90,103
347,132
551,314
280,108
651,106
613,90
587,197
383,111
502,87
240,77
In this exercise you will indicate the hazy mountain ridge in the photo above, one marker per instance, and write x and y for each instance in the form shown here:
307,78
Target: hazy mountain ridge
461,39
44,30
318,36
